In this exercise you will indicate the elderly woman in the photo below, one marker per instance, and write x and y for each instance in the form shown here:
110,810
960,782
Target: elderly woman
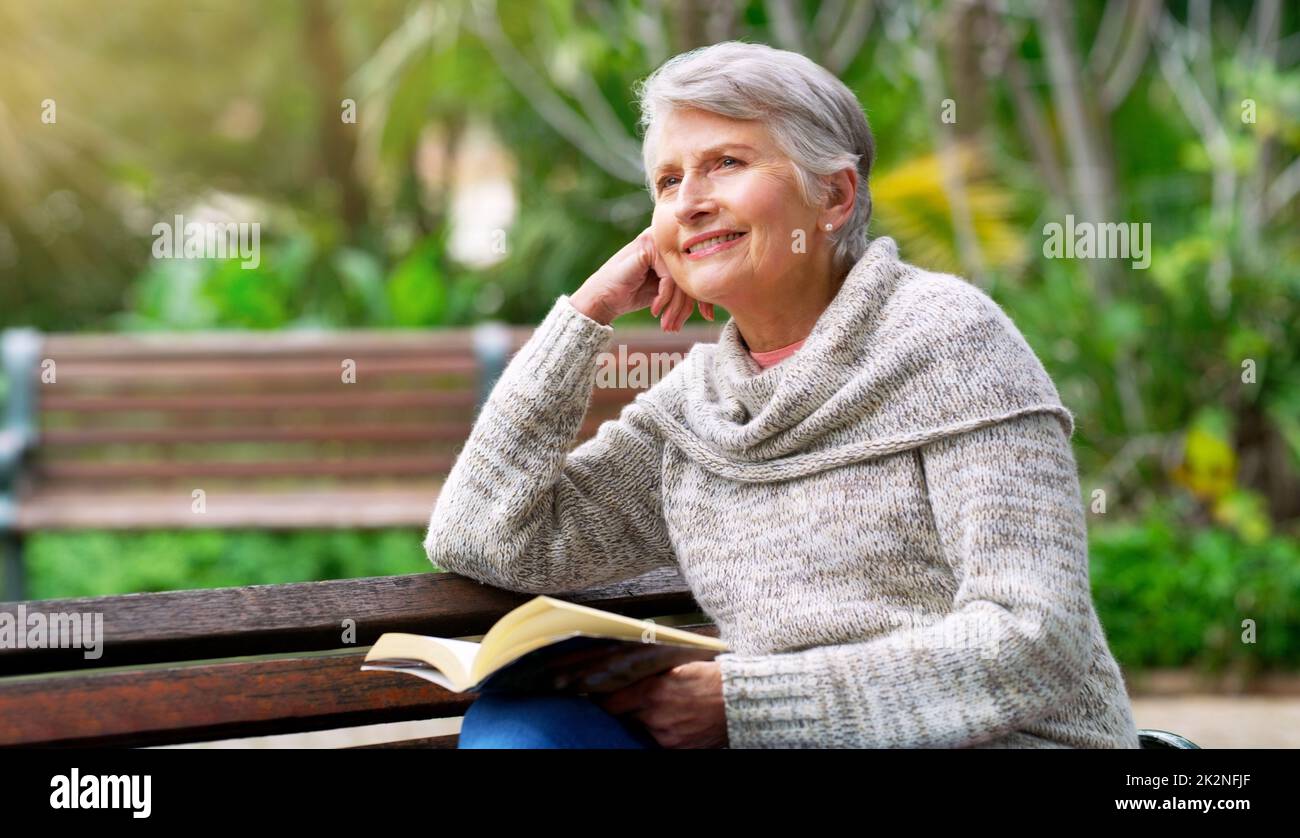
867,482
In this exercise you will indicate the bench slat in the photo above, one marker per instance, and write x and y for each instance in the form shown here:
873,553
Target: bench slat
218,701
234,344
214,701
227,371
355,506
347,344
444,431
308,616
435,431
82,472
340,399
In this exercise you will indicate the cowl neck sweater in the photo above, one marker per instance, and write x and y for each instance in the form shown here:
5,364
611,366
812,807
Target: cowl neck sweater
899,358
886,527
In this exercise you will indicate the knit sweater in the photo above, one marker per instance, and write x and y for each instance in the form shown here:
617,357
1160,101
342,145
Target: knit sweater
887,527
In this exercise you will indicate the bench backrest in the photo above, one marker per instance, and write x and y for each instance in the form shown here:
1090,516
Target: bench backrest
144,421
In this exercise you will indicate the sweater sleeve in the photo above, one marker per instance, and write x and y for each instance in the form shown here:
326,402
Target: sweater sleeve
1016,645
519,510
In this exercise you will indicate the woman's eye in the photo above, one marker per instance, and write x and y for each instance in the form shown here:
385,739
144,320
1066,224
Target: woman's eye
664,181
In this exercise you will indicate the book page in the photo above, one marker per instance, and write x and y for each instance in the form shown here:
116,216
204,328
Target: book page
419,670
464,650
454,658
545,620
584,665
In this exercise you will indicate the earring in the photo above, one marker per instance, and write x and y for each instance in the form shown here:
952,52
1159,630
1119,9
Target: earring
829,226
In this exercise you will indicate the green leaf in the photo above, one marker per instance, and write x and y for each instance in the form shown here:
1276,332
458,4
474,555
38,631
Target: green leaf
417,293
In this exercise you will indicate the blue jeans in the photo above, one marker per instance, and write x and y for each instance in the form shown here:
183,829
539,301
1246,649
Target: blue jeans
521,720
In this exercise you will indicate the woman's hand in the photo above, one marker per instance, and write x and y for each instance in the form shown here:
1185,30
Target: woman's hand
681,708
633,278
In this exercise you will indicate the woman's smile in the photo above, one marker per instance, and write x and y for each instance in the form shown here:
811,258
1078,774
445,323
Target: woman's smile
712,246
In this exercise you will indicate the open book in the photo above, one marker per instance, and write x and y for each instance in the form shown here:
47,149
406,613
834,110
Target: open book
546,645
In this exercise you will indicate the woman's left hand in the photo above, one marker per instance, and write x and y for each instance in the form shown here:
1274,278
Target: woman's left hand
681,708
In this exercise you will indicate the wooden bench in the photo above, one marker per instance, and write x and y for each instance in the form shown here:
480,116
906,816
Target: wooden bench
252,430
195,666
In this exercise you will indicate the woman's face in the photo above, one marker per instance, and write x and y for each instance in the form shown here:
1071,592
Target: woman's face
712,173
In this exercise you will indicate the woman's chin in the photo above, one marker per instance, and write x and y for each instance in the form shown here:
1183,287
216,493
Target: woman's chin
707,286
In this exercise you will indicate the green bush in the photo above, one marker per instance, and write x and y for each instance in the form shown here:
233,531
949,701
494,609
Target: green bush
98,563
1170,594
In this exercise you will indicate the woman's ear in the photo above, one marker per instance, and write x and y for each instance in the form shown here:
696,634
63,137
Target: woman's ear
842,194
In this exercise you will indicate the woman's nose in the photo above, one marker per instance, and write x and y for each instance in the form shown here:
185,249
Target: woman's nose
694,200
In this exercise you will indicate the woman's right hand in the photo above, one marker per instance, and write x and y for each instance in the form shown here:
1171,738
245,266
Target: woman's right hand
633,278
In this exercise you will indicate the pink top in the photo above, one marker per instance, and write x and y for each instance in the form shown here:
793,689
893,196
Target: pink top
776,356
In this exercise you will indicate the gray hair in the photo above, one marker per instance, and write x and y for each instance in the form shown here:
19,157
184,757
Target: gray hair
813,117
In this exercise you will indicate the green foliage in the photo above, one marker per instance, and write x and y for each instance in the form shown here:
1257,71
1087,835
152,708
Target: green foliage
299,284
1171,594
99,563
417,292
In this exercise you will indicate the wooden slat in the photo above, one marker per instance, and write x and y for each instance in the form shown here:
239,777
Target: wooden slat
207,372
250,373
308,616
427,466
450,431
243,344
162,706
353,507
343,399
73,437
214,701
